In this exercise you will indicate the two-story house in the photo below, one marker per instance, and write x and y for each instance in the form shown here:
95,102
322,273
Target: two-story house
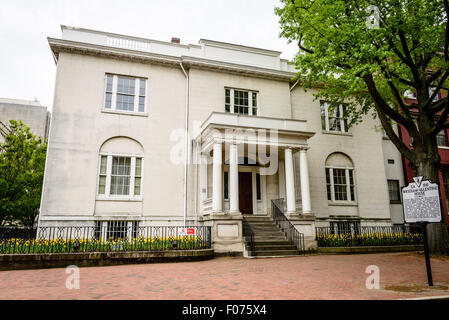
146,132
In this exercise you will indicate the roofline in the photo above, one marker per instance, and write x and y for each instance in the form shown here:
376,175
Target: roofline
240,47
58,45
129,37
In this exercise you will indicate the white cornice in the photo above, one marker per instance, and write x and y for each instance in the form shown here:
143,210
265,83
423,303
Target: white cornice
60,45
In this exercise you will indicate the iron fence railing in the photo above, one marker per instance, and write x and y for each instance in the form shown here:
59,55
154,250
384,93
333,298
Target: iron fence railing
109,238
248,234
286,226
17,232
368,236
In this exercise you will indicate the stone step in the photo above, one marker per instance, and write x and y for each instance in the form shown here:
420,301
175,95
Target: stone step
268,239
274,247
269,234
259,238
266,242
261,228
261,222
275,253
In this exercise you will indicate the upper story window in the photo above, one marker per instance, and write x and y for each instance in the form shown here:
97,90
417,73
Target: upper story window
442,139
241,101
125,93
332,119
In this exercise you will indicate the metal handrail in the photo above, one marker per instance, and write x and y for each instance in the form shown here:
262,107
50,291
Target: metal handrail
286,226
248,234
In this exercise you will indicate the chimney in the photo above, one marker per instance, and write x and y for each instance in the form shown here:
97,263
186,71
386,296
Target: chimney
175,40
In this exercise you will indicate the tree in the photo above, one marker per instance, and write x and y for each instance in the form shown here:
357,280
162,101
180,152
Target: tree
369,54
22,162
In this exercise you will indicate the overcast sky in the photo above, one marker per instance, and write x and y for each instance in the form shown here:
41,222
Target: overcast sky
27,69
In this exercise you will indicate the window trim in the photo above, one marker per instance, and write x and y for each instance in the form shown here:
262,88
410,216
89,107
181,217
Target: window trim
250,101
113,108
130,196
332,201
326,128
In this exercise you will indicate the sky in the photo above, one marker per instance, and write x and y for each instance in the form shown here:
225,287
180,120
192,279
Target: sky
27,68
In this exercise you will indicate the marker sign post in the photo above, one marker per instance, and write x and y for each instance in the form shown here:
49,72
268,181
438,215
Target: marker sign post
421,204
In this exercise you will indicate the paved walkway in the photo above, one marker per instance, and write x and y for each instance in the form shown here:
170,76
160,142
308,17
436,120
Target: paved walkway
310,277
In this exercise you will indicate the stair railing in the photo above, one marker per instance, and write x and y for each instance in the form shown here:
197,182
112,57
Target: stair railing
248,234
286,226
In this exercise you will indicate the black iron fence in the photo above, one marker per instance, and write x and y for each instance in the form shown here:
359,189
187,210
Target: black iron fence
368,236
110,238
17,233
286,226
248,234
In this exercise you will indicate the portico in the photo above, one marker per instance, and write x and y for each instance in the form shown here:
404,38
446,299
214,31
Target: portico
245,163
232,145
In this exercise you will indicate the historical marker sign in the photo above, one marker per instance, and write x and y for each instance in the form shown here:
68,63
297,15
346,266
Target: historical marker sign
421,201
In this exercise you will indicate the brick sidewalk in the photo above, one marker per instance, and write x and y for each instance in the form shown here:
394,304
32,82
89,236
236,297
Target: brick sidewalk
310,277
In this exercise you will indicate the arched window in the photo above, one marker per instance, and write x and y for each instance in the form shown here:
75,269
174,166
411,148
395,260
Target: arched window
340,180
120,169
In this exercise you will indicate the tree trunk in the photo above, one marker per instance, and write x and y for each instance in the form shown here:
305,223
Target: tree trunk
428,167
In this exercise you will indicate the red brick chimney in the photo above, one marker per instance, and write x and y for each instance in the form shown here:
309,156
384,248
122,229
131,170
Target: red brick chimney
175,40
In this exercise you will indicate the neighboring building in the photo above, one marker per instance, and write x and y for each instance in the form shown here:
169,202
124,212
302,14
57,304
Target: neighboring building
443,150
116,148
30,113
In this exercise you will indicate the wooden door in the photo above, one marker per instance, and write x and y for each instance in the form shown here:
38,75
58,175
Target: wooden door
246,192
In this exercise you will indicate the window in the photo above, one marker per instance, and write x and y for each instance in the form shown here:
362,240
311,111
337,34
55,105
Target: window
120,176
442,139
340,182
125,93
393,190
431,91
241,102
116,229
390,161
333,119
344,227
258,193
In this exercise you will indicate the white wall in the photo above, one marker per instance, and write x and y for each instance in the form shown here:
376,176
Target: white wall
80,128
363,146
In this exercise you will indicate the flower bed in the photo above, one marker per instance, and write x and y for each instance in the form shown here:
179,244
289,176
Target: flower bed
372,239
23,246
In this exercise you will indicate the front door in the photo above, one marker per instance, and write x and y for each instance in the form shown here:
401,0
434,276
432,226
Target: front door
246,192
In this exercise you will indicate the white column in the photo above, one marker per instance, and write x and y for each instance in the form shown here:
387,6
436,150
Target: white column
305,188
289,181
233,179
203,181
217,184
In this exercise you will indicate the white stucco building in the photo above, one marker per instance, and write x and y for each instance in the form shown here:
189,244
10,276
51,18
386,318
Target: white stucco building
117,147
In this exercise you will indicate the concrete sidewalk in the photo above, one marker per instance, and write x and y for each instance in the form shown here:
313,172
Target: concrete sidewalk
402,276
